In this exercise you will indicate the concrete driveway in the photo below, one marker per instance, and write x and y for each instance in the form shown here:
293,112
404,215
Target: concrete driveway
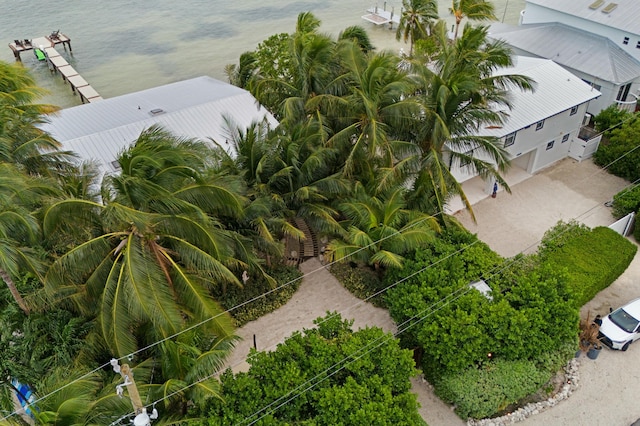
609,386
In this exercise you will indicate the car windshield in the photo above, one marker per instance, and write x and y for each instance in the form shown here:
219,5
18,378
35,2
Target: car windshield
623,320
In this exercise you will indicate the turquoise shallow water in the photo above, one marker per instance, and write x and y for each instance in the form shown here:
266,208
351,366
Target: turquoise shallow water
123,46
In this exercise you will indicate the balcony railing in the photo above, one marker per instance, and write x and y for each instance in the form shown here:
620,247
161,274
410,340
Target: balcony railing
630,106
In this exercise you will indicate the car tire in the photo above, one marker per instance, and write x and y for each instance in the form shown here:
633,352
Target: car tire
625,347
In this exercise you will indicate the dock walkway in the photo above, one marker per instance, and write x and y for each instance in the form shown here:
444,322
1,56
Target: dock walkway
378,16
57,63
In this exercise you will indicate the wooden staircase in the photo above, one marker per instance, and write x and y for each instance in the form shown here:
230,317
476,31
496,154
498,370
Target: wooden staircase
298,250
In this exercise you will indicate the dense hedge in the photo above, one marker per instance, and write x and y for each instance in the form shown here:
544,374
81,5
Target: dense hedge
459,331
593,260
481,392
231,296
619,153
324,376
531,312
626,201
362,281
496,386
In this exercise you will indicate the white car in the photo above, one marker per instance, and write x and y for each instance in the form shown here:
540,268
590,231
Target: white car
621,327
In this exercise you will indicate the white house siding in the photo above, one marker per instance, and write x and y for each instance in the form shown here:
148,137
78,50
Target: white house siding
556,93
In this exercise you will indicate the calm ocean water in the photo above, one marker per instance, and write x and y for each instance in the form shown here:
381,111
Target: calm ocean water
122,46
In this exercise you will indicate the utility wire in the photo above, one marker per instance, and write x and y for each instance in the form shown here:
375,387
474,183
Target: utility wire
290,283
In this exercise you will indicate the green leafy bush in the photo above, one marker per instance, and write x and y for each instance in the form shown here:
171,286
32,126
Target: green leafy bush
620,154
593,261
481,392
610,117
232,296
561,234
309,372
626,201
362,282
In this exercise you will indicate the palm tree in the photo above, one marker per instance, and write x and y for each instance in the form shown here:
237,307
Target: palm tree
21,141
155,250
379,229
19,229
311,62
460,94
369,114
359,35
187,366
477,10
415,19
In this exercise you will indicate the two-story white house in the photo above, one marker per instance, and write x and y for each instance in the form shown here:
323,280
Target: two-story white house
597,40
543,126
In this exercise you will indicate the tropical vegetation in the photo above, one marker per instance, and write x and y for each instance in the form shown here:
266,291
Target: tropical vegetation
149,265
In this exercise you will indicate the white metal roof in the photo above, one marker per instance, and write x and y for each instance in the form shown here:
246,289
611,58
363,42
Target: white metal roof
556,90
625,16
193,108
572,48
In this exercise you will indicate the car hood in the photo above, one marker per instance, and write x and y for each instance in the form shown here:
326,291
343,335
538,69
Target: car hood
612,331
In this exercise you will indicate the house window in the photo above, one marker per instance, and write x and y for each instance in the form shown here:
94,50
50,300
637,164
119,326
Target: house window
550,145
565,137
539,125
626,40
510,139
595,86
623,92
464,162
574,110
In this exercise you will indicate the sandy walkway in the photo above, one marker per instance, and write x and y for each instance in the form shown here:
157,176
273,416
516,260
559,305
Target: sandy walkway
319,292
509,224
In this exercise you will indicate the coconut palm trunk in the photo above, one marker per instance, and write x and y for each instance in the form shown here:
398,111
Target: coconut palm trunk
14,291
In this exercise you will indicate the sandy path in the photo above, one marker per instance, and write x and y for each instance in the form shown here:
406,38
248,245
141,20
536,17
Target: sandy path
319,292
509,224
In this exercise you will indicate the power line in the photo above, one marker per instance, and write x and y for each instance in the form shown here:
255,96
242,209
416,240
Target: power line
295,280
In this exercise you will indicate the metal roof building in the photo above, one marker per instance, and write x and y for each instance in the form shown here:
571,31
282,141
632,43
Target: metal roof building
194,108
555,90
622,14
572,48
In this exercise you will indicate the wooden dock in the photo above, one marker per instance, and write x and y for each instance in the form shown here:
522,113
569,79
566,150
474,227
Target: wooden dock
378,16
53,39
57,63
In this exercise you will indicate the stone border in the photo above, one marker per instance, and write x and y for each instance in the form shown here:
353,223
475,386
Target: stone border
570,384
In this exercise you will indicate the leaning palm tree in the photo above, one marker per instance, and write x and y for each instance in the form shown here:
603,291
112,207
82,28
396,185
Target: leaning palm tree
156,249
415,19
19,230
477,10
21,141
460,92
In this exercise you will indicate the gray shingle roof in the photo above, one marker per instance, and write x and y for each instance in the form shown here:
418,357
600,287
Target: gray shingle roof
572,48
192,108
625,16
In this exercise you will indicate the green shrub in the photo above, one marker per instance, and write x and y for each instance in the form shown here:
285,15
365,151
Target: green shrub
561,234
593,261
362,282
309,372
482,392
626,201
609,117
232,296
620,155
